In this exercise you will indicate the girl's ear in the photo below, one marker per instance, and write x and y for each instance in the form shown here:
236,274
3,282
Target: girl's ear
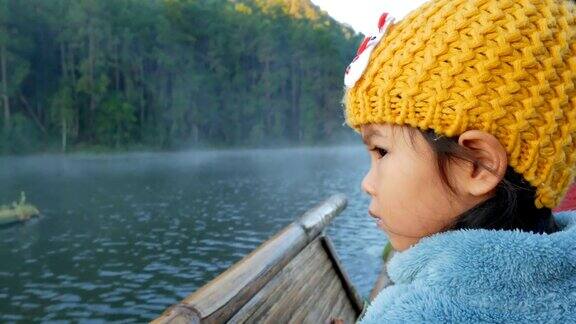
482,177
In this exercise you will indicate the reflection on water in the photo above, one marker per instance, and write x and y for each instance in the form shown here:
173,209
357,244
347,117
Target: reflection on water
124,236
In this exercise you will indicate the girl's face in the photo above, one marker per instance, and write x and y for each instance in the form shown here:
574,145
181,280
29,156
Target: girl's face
409,199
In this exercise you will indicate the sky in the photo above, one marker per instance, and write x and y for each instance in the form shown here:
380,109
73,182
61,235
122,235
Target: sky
363,15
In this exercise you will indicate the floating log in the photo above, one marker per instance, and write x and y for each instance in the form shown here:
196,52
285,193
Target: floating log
294,276
17,212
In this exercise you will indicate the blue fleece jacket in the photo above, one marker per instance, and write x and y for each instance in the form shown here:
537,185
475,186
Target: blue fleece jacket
483,276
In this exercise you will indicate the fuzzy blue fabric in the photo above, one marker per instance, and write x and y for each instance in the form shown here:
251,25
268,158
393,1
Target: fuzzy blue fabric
482,275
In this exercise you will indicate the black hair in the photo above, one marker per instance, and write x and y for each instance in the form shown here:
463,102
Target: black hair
512,205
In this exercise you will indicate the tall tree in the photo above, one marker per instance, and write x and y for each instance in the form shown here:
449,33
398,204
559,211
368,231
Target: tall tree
169,73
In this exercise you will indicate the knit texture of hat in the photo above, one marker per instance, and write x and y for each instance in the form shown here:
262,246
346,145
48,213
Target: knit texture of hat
505,67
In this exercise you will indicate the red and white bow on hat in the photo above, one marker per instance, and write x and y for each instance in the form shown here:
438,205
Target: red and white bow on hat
355,70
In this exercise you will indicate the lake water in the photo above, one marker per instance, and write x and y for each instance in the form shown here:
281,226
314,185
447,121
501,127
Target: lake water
122,237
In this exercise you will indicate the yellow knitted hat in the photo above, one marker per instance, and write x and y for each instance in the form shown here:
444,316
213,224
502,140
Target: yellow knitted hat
506,67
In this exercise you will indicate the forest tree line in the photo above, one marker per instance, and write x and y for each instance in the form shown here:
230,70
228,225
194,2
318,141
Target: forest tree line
168,73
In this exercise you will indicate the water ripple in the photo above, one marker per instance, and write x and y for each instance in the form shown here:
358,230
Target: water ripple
124,236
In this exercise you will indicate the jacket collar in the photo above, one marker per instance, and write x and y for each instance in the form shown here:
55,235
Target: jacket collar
491,260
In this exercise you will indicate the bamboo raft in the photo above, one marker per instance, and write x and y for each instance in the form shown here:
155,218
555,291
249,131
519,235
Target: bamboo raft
295,277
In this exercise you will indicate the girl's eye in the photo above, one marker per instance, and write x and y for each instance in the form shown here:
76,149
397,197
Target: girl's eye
380,151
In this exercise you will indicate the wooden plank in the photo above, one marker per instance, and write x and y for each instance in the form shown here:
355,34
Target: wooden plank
299,292
181,315
339,306
348,286
294,288
325,306
285,281
284,307
246,278
221,298
344,309
309,305
347,312
278,308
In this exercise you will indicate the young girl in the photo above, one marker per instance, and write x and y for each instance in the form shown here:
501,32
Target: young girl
468,110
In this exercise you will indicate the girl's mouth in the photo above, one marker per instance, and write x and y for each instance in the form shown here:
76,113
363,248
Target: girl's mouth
378,219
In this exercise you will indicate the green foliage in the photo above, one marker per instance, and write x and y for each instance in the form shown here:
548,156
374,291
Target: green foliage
22,137
115,122
386,251
170,73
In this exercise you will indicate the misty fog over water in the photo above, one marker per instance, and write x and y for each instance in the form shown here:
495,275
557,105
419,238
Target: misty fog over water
122,237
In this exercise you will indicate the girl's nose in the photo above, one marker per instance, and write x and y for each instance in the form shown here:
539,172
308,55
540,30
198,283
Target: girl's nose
367,184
